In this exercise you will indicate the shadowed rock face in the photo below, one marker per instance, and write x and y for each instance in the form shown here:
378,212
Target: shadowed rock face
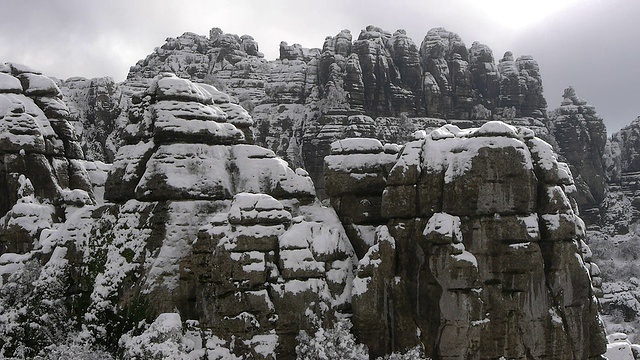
311,93
450,242
376,84
471,246
42,170
581,137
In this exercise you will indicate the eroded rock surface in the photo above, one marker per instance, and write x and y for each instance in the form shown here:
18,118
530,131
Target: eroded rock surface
200,222
475,249
581,137
383,77
42,173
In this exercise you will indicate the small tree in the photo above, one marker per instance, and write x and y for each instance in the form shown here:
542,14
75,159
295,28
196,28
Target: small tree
331,344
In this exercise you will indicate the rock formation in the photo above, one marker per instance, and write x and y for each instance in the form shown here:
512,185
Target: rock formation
581,138
42,172
94,106
468,244
615,239
463,239
200,223
310,94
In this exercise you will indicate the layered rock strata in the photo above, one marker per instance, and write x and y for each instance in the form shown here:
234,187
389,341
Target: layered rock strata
581,139
94,106
199,222
472,246
462,241
260,261
304,100
42,173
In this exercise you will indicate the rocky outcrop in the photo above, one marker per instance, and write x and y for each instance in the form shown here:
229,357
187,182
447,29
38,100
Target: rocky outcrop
42,175
383,75
521,86
622,152
437,265
615,239
94,106
202,230
199,222
581,137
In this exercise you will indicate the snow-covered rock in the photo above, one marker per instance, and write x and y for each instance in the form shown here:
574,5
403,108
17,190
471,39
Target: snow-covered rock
38,147
581,138
477,230
202,223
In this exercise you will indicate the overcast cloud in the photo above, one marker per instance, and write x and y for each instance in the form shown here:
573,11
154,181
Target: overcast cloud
589,44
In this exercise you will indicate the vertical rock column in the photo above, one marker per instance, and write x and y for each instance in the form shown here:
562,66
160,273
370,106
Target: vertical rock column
480,253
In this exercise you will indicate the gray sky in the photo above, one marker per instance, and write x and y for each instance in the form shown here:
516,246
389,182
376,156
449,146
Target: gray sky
592,45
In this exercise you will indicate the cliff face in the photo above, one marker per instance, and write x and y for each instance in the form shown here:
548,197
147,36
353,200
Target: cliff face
616,239
378,84
94,105
303,101
469,243
42,172
200,223
581,138
463,242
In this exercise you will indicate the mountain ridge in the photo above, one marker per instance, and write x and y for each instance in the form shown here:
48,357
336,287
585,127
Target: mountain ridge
308,107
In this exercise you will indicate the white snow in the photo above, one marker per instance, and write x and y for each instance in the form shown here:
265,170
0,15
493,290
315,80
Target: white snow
196,169
544,152
9,83
383,235
409,157
552,221
218,96
317,286
264,345
260,174
496,128
446,225
40,84
355,163
367,233
452,150
468,257
555,317
619,350
183,120
356,145
360,285
217,350
259,231
480,322
128,158
533,227
252,260
172,86
301,260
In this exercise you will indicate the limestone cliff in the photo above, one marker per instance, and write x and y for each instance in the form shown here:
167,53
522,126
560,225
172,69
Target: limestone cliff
197,222
378,84
581,138
462,242
42,173
468,243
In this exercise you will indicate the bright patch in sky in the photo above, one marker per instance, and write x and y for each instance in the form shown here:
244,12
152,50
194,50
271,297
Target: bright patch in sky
519,14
